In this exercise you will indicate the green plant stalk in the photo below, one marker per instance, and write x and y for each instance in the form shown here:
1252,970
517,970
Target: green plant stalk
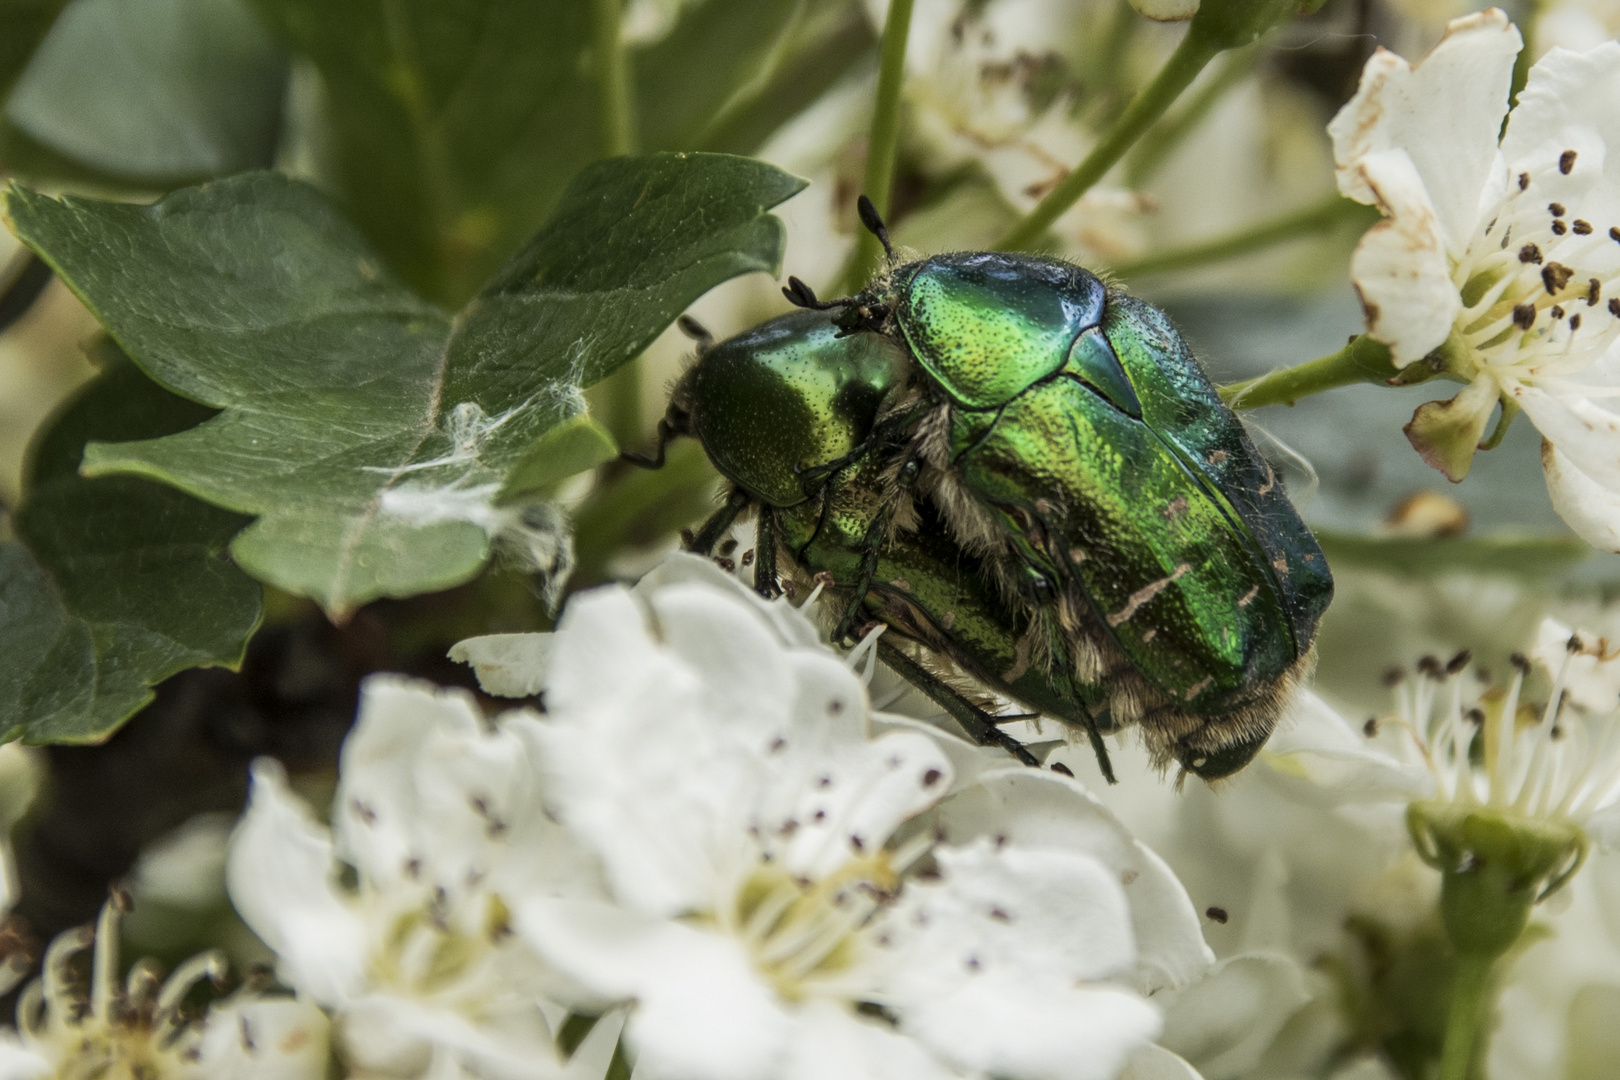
1319,217
884,139
1111,62
618,397
1191,56
1363,360
1155,146
614,112
1527,33
1470,1004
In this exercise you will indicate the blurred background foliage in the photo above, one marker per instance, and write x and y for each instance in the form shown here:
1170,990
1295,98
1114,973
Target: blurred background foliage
447,130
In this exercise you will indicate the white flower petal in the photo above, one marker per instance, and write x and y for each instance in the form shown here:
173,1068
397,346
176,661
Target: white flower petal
1445,113
1400,267
1157,1063
18,1062
507,665
831,1044
377,804
1567,104
1000,1024
856,799
638,760
1604,828
1166,10
701,1013
1336,761
1583,431
1587,507
1050,917
1042,811
791,625
505,1038
1591,681
279,876
263,1039
1225,1022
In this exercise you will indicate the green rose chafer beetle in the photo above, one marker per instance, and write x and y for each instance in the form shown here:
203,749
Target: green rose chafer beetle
1122,553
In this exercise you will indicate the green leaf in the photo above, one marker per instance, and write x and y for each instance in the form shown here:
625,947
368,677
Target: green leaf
25,22
154,91
112,585
456,123
371,432
573,446
686,81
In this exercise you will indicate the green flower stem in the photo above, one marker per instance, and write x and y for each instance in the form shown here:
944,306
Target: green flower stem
1324,216
1155,146
1363,360
1191,56
615,114
1470,1005
884,139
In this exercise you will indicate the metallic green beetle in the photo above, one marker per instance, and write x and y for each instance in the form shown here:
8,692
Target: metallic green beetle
1129,545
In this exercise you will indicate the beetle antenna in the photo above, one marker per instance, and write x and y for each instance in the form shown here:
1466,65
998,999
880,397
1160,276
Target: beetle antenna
697,332
874,223
801,295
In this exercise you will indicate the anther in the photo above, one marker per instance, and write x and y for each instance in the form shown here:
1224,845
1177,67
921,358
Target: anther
1580,227
1524,315
1614,233
1566,161
1394,677
1431,666
1520,661
1556,311
1458,662
1559,228
1524,180
1575,321
1614,307
1594,291
1062,769
1555,276
1530,254
1370,728
1556,209
1475,716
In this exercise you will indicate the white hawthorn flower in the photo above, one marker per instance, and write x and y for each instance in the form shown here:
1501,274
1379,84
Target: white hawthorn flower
1450,741
137,1028
793,894
438,815
988,84
1500,254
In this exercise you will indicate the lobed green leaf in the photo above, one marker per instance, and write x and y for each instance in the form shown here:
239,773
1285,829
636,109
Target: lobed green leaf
112,585
370,433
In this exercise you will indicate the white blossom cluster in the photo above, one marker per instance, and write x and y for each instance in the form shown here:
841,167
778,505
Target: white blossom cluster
701,824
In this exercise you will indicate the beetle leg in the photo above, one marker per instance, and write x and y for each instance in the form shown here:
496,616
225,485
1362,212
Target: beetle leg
765,555
979,725
1064,681
655,460
713,529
